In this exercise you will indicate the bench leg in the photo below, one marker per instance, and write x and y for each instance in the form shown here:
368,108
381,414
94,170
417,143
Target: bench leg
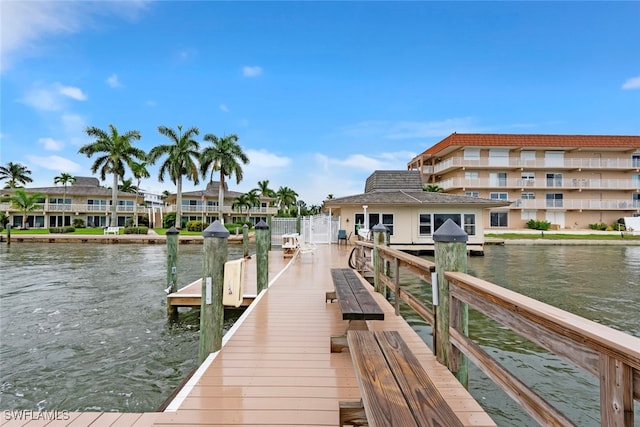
330,296
339,343
352,413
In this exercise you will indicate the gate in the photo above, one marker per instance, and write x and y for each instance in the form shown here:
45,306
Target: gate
280,226
319,229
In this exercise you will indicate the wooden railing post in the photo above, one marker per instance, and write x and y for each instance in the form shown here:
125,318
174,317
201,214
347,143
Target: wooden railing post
172,268
379,239
450,245
245,240
263,240
211,309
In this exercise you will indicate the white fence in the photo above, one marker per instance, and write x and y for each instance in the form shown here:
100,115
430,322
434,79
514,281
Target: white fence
313,229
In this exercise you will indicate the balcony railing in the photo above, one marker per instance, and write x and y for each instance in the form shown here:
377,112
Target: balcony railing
542,183
576,204
75,207
225,210
514,163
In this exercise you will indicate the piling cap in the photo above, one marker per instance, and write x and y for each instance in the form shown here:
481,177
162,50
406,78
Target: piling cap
379,227
261,225
216,229
245,227
172,231
450,232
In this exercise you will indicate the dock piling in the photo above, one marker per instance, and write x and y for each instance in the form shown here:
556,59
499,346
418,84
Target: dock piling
450,252
263,240
172,269
379,239
245,240
8,234
211,308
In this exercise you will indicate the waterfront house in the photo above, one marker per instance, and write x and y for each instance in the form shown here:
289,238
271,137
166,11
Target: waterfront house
396,199
569,180
85,199
202,205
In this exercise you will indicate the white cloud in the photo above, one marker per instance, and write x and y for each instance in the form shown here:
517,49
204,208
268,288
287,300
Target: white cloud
632,83
251,71
113,81
73,92
224,108
265,159
27,26
51,144
55,163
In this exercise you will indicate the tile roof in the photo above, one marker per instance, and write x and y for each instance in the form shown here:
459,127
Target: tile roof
393,180
534,140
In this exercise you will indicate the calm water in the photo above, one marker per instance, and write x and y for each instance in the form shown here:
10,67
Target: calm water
83,327
601,283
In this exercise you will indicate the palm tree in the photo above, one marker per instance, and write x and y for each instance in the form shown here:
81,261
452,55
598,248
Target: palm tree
225,156
116,151
264,190
433,188
26,202
240,202
286,198
64,179
127,186
182,160
139,171
15,174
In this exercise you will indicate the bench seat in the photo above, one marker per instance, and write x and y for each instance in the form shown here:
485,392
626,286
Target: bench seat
395,389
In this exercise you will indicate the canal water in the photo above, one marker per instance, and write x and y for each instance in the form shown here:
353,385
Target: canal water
600,283
83,327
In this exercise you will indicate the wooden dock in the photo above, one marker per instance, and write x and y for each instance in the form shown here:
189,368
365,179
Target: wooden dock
276,368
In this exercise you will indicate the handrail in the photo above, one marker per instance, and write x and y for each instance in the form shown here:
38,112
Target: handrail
612,356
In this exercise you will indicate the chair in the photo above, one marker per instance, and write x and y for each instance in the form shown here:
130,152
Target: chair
342,235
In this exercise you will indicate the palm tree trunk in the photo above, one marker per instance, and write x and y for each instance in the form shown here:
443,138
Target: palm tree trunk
221,198
114,202
135,205
179,204
64,202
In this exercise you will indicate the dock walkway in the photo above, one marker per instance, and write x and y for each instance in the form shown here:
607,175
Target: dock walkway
276,368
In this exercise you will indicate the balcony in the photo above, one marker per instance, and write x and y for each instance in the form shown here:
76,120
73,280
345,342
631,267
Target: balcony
577,204
225,210
75,207
454,163
541,184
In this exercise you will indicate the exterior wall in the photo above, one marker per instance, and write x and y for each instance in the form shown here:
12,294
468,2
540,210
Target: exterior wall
585,187
406,222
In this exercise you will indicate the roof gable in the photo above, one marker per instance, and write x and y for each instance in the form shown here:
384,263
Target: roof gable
408,180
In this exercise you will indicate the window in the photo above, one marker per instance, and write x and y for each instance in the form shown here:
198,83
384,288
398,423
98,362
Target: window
469,226
59,201
498,219
424,224
554,180
526,215
439,219
376,218
635,179
554,200
528,179
636,200
472,194
97,205
528,158
635,160
527,196
498,179
471,154
471,176
387,221
554,158
498,157
499,196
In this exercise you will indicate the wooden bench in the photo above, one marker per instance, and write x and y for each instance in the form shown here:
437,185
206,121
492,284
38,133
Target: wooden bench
395,389
112,230
357,305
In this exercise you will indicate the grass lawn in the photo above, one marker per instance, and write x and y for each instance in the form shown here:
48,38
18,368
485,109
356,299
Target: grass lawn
558,236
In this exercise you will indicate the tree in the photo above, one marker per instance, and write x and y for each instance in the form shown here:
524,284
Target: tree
127,186
264,190
182,160
240,202
16,175
330,196
64,179
226,157
116,152
26,202
139,171
286,198
433,188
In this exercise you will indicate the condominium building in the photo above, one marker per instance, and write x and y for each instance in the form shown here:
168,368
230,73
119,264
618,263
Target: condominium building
571,181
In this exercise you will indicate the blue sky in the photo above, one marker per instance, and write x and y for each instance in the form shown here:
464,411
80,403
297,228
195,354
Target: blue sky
321,94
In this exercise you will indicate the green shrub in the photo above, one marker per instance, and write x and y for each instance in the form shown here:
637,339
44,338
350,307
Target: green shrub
194,226
78,223
598,226
60,230
136,230
169,220
538,225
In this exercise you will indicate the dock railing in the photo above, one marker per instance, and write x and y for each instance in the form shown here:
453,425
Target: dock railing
611,356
